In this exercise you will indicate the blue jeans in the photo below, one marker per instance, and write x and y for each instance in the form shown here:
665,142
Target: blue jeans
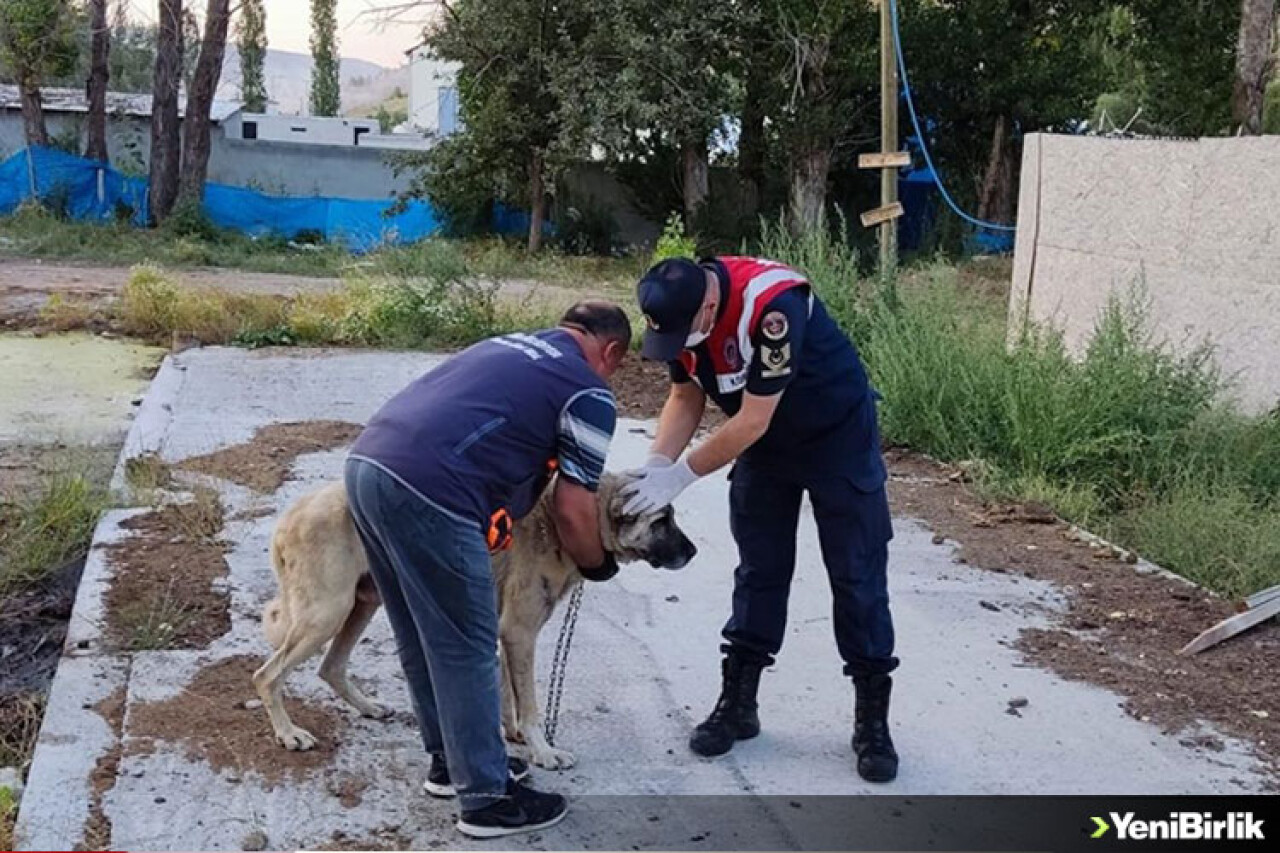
432,570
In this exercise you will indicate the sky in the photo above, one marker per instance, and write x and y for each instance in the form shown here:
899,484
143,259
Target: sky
360,34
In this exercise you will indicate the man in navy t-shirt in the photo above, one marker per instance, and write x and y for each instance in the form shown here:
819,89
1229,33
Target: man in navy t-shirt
751,335
435,481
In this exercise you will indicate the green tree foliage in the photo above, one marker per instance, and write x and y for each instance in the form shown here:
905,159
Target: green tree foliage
251,39
133,52
1180,63
36,42
326,91
390,116
650,77
986,71
516,139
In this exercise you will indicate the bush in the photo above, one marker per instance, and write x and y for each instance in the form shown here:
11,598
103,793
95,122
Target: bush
674,243
587,229
1129,438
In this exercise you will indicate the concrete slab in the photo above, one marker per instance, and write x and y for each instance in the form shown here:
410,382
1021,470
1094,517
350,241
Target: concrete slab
643,671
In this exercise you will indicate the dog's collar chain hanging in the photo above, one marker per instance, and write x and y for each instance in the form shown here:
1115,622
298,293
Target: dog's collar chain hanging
560,663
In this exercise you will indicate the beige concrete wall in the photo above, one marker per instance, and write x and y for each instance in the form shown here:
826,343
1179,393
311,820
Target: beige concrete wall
1196,223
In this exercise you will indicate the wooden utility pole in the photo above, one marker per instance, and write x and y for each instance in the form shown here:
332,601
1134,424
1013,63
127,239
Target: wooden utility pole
889,160
888,138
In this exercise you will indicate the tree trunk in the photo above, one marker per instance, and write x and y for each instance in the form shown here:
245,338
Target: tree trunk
537,201
33,125
96,87
695,179
1255,59
165,133
195,135
995,201
808,190
751,140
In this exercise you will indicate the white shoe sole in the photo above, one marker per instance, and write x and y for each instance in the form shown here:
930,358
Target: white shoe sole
473,831
445,792
435,789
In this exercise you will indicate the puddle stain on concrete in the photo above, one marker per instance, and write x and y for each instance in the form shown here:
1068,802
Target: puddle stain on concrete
75,387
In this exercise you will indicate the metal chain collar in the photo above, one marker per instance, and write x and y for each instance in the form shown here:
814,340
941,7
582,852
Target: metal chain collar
560,663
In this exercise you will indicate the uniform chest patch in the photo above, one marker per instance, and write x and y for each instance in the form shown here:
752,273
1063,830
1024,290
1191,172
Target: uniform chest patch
732,356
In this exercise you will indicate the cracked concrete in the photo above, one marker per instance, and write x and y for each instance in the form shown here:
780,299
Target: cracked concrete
643,670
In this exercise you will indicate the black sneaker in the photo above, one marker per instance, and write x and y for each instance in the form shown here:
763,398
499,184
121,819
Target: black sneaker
522,810
439,784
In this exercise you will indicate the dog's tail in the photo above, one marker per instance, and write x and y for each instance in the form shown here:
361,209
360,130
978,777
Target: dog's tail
275,620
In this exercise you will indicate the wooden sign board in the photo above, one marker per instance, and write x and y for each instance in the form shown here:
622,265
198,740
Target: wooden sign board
892,160
882,214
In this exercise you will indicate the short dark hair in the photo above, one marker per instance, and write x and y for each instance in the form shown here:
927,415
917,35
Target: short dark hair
600,318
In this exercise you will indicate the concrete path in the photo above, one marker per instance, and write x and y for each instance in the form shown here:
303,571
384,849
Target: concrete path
644,669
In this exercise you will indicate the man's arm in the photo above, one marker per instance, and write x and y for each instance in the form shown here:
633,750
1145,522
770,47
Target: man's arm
736,434
680,417
778,342
582,443
577,517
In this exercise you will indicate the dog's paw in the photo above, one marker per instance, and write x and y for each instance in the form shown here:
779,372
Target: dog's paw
551,758
374,711
512,734
296,739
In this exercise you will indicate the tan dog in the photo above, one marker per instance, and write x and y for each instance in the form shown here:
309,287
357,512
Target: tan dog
327,593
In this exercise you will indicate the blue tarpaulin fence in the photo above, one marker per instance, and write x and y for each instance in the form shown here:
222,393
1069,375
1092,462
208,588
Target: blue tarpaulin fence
89,190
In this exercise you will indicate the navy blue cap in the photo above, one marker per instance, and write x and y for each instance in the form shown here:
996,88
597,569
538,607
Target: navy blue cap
670,295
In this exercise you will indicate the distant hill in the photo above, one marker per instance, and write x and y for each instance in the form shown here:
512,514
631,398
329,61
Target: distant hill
289,81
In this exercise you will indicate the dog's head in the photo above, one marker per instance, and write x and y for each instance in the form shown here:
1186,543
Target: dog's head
653,537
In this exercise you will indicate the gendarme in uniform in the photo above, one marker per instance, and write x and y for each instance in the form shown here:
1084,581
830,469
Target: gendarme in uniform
771,338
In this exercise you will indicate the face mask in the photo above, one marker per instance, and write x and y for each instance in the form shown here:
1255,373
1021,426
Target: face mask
696,337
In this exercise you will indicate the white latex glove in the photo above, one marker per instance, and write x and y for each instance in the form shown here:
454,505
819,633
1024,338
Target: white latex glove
655,460
656,487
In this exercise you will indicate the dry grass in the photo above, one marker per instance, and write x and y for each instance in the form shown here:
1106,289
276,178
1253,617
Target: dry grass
8,814
155,306
200,519
63,314
20,716
147,473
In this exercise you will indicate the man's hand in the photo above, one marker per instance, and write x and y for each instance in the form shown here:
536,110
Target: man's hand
655,460
656,487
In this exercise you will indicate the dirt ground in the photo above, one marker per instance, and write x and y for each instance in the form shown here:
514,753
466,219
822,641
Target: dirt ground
235,735
264,463
97,827
27,285
163,593
1122,629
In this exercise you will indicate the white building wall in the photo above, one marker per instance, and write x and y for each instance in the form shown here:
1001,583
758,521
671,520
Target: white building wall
431,82
314,130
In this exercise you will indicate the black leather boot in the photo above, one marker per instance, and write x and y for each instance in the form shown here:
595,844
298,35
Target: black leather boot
877,759
734,718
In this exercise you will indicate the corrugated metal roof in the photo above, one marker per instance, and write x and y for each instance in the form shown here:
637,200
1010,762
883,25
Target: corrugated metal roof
58,100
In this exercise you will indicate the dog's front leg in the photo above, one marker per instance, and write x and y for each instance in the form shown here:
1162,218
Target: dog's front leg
519,651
